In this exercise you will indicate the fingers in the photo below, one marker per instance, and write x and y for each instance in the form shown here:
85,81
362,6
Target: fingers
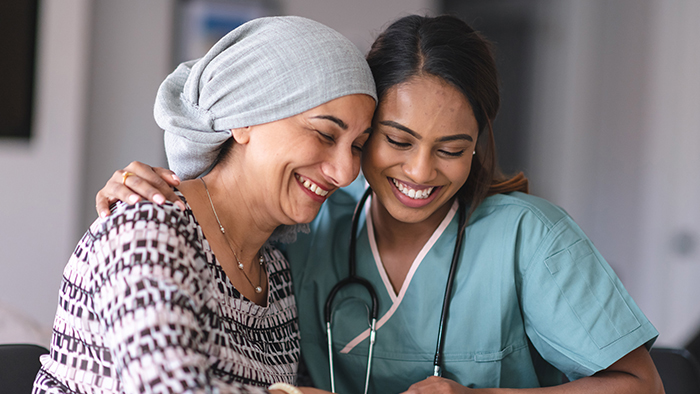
136,182
168,176
152,184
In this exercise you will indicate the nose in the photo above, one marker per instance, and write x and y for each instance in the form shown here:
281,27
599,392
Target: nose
341,167
419,166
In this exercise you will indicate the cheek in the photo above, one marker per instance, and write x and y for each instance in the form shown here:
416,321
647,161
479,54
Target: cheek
458,174
356,164
372,160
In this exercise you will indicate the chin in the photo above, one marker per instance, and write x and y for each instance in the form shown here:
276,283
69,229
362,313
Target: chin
305,217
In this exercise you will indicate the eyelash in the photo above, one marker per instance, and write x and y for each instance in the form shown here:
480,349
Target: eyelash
331,139
405,145
397,144
453,154
326,137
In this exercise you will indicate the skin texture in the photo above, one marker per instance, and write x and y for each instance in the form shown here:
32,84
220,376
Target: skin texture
424,135
435,113
257,187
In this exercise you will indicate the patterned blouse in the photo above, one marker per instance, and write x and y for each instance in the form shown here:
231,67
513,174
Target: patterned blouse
145,307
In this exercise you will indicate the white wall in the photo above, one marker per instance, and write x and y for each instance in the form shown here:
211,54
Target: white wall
39,203
616,142
591,87
669,277
359,20
130,56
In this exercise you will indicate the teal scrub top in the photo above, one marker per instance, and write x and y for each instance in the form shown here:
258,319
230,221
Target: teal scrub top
530,286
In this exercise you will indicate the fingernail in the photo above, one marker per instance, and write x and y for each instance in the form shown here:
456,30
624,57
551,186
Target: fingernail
103,214
175,177
180,205
158,198
133,199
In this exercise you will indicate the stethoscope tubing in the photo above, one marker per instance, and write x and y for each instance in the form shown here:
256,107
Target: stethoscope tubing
437,363
350,280
374,310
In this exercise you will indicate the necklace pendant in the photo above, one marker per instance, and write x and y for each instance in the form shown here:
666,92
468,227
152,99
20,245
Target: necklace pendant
258,289
240,265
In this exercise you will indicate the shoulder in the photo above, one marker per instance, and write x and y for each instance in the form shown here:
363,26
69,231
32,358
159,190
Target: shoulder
534,209
531,228
147,243
127,217
158,233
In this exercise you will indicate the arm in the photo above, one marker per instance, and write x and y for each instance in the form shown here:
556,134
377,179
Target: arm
143,182
576,312
634,373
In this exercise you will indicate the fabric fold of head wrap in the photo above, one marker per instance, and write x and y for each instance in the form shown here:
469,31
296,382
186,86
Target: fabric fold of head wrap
265,70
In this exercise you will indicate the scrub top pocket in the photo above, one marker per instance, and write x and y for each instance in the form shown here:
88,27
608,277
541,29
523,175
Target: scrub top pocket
592,294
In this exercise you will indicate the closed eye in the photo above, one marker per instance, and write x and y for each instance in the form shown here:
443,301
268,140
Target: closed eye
452,154
397,143
326,137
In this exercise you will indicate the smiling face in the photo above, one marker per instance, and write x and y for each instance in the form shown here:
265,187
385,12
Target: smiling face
420,151
297,162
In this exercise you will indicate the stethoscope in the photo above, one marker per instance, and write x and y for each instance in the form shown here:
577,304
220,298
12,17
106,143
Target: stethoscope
353,279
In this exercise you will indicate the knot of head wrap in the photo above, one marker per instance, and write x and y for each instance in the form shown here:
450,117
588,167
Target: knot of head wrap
265,70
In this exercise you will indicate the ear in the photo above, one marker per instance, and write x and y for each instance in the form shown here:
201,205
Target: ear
241,135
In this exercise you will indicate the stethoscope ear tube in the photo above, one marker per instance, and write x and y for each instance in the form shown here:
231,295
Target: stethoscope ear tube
353,279
437,363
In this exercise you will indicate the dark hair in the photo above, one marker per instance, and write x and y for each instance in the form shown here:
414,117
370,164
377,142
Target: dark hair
446,47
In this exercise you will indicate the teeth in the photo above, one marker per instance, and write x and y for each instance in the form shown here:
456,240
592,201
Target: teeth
415,194
313,187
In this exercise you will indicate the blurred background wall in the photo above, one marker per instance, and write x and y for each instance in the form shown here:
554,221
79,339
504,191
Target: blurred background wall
600,110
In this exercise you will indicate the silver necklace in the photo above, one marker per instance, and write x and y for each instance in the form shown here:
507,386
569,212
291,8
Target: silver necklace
258,289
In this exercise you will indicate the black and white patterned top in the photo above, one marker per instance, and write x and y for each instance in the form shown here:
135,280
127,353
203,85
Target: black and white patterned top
145,307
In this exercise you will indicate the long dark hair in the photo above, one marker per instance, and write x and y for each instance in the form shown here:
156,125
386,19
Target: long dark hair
446,47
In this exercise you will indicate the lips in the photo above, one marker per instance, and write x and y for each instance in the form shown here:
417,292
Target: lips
412,195
311,186
413,191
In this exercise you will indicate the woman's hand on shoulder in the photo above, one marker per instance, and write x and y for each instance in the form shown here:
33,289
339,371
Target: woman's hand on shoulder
136,182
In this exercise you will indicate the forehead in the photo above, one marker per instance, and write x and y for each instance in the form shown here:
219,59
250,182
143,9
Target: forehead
353,109
428,104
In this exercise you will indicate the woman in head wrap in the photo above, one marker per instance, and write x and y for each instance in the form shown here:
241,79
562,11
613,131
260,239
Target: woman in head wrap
532,297
158,299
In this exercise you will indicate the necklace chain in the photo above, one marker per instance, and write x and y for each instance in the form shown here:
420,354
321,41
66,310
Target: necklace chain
258,289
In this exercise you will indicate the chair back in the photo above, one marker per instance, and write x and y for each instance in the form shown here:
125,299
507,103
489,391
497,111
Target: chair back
19,364
679,370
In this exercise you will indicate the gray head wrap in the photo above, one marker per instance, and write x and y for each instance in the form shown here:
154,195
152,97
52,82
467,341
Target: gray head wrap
265,70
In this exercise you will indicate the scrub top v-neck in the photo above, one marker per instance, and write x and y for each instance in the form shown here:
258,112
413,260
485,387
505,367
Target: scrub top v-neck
528,279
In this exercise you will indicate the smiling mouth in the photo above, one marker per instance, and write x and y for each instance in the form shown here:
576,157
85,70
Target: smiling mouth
410,192
312,187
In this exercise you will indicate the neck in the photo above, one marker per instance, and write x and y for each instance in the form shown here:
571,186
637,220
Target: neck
246,227
390,231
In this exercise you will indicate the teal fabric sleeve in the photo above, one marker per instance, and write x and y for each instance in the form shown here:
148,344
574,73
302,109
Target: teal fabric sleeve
577,313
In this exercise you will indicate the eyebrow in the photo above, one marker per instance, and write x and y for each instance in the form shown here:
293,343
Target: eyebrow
401,127
333,119
455,137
